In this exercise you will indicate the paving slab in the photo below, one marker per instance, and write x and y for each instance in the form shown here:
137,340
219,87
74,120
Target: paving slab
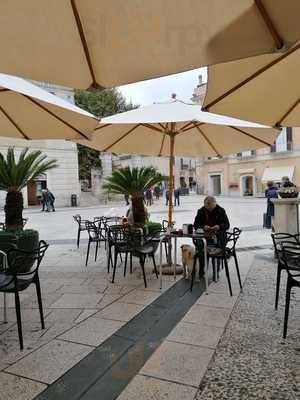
92,331
120,311
196,334
179,363
146,388
50,361
141,297
219,300
70,300
17,388
204,315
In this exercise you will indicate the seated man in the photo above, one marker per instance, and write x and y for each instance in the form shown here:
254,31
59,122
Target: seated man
214,221
211,218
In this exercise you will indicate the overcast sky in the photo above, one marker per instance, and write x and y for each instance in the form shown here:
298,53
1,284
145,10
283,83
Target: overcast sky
160,89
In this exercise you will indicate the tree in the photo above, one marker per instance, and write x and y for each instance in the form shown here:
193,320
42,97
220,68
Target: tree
134,182
14,176
101,103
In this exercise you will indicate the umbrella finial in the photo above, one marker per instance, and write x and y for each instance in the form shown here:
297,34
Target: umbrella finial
173,96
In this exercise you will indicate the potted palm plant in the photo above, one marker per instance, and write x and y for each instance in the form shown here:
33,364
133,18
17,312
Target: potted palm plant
133,182
14,176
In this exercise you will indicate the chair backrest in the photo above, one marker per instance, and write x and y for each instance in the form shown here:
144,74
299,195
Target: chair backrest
279,237
116,234
165,225
290,256
231,238
92,229
77,218
18,258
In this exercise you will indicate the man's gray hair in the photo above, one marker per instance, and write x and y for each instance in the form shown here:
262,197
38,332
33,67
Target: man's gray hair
210,199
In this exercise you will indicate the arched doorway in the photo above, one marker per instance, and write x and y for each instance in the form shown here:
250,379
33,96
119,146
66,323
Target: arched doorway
248,185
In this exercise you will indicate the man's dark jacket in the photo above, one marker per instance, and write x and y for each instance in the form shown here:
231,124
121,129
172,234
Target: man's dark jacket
217,216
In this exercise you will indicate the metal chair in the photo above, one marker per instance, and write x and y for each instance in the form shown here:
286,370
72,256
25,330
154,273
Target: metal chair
81,226
278,239
221,254
290,256
15,280
95,236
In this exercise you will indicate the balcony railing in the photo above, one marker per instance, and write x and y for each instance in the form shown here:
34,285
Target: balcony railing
279,148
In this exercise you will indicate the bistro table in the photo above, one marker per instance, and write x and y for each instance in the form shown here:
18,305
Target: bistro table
174,236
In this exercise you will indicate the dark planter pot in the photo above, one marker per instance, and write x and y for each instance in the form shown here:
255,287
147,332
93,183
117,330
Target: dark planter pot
28,241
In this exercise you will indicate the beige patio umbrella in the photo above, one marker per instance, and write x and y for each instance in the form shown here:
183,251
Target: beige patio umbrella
100,43
177,128
29,112
264,89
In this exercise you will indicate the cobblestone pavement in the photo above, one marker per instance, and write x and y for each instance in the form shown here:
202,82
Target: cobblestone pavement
252,361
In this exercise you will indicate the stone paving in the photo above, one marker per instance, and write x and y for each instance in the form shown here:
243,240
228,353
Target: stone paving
82,309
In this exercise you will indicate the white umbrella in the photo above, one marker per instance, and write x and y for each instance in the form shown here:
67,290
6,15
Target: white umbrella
177,128
29,112
101,43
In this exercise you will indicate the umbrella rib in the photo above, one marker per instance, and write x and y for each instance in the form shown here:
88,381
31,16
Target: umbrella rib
278,123
191,127
14,123
251,77
94,84
154,128
101,127
208,141
122,137
162,145
249,135
55,116
269,23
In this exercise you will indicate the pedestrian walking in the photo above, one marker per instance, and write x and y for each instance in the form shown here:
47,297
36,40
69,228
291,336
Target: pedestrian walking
50,200
157,192
149,197
177,197
167,197
44,198
126,197
270,193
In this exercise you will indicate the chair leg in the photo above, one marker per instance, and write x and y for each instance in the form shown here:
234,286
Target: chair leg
125,266
279,269
87,254
166,250
78,238
115,266
109,259
227,275
213,261
287,307
39,296
142,263
131,263
121,258
96,251
19,321
237,270
154,264
193,272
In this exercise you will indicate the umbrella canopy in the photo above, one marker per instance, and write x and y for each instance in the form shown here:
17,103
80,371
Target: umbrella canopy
264,89
100,43
29,112
177,128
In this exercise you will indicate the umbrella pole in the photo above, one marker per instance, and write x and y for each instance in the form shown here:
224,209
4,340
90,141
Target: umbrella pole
171,167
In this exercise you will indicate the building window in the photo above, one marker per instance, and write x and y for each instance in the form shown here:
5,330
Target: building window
284,141
181,163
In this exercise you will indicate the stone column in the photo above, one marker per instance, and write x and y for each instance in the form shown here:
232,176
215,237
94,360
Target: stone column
286,215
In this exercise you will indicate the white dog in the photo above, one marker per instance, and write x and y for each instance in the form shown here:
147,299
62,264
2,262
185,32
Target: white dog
187,256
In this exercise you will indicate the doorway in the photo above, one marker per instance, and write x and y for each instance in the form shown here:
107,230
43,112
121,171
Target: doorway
215,184
34,191
248,185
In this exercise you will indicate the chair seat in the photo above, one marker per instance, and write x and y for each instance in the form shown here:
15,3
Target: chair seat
8,285
214,251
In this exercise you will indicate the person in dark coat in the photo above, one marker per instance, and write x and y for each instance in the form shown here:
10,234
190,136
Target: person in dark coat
177,197
50,200
286,183
167,197
211,217
271,193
